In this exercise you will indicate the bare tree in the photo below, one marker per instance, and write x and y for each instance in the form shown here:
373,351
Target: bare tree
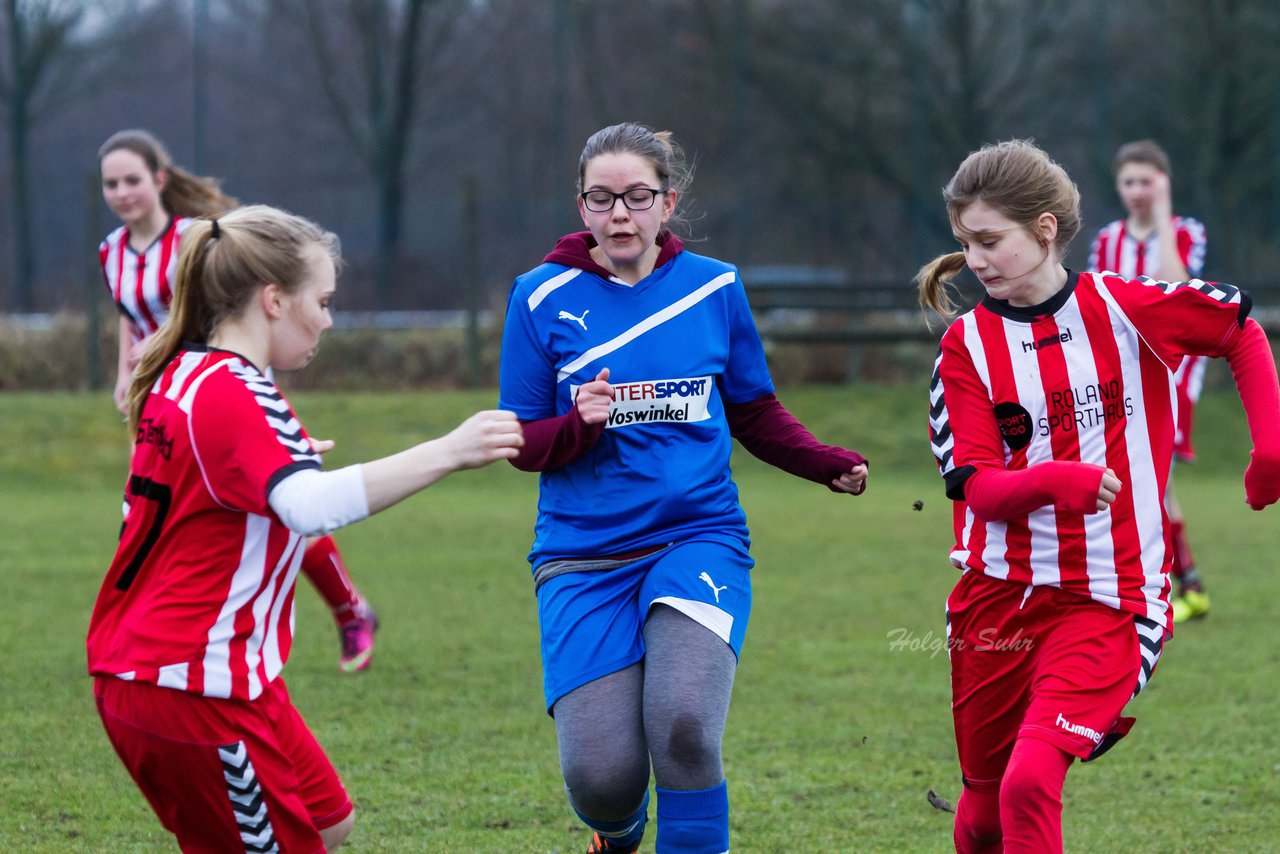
1211,95
373,60
36,36
53,54
887,95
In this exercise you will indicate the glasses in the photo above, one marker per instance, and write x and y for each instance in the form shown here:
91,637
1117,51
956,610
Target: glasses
602,201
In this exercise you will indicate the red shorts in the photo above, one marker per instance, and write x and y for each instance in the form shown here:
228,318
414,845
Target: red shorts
224,775
1041,663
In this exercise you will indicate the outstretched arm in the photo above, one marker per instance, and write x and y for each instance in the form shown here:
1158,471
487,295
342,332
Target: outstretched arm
482,439
1254,369
774,435
313,502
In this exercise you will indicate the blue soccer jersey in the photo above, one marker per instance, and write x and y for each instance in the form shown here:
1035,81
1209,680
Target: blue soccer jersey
678,345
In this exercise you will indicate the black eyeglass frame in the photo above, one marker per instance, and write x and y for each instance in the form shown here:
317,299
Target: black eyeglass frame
653,197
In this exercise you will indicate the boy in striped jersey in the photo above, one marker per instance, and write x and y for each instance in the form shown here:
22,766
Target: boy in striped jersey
157,201
194,620
1052,420
1151,241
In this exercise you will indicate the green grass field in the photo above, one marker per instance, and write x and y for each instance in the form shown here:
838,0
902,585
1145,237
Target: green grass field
834,736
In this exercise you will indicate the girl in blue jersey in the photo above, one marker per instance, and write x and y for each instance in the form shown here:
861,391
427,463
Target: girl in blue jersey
632,363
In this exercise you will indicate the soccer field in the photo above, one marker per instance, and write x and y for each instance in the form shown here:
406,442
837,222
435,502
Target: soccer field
840,722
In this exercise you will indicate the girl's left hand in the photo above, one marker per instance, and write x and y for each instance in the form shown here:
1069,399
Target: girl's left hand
321,446
854,481
1161,198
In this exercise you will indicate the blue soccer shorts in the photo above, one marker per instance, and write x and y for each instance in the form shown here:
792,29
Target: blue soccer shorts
592,621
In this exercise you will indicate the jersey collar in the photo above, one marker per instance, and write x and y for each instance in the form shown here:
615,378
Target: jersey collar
1032,313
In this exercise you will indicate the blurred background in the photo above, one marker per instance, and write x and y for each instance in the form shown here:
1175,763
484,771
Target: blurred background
439,138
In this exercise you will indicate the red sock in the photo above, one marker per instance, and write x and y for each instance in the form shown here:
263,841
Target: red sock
1184,565
1031,797
977,828
1179,543
323,565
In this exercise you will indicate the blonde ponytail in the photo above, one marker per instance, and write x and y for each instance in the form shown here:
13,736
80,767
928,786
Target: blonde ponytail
219,271
185,322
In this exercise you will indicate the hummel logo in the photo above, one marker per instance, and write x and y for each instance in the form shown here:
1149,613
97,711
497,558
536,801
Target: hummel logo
712,585
1079,729
581,321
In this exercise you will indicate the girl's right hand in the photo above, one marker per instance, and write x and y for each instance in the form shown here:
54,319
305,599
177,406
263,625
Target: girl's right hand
1108,489
594,398
485,438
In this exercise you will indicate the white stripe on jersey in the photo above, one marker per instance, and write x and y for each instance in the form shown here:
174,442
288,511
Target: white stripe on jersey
290,563
993,554
1190,376
184,403
656,319
1148,505
1030,389
1115,249
173,676
141,282
186,366
263,644
550,285
246,580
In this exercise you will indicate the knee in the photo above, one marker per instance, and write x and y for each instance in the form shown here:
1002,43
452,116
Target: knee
977,827
1018,791
689,745
1033,780
972,839
608,791
334,835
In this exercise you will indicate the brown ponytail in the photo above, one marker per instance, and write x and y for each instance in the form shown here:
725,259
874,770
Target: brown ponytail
184,194
933,279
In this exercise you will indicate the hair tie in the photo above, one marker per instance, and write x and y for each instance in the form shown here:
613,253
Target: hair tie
214,232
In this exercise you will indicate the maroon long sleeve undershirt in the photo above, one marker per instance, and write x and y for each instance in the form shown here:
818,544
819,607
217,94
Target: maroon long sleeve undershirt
763,426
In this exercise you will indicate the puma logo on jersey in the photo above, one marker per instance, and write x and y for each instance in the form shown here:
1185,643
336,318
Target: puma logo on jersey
712,585
581,321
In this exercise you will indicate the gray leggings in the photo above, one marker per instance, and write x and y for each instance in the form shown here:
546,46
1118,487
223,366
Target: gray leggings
669,708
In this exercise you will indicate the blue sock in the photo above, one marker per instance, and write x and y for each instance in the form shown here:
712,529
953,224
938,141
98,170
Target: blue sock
624,833
694,822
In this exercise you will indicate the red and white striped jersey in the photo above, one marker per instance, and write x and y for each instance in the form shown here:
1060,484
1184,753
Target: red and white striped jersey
1115,250
1084,377
199,596
141,283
